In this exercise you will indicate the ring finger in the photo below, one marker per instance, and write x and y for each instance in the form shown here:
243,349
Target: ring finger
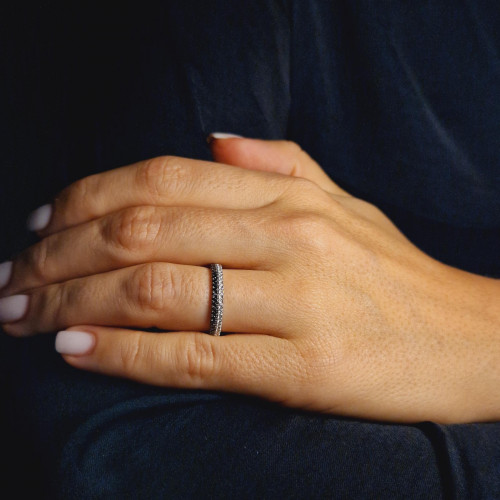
163,295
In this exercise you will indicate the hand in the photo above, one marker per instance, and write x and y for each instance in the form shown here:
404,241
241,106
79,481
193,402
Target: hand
332,309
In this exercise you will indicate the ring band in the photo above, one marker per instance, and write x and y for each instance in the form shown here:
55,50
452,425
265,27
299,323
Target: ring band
217,299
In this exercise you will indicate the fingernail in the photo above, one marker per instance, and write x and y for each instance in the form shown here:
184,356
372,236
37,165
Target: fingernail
74,343
5,272
40,218
13,308
222,135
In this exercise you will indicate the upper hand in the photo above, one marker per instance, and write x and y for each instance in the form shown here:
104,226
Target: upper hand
330,307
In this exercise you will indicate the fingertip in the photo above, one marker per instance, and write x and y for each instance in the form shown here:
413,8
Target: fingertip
225,146
245,152
40,218
75,342
222,135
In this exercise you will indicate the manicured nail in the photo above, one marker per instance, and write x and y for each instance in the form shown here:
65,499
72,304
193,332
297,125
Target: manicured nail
222,135
40,218
13,308
74,343
5,272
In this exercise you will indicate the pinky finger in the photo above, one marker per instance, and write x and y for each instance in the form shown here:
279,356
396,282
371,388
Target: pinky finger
257,365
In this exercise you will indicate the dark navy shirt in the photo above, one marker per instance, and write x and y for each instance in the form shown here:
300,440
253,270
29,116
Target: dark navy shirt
399,102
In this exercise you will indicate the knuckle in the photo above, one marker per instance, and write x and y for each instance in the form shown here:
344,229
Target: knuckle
154,287
309,232
373,211
304,192
365,206
163,176
199,358
78,196
133,229
56,303
74,193
312,193
317,363
39,261
305,186
80,189
133,353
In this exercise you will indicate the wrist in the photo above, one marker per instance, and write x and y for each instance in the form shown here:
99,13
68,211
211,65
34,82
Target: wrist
467,311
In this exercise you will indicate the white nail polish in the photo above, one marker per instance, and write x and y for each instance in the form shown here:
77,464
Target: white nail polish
5,273
13,308
40,218
74,343
225,135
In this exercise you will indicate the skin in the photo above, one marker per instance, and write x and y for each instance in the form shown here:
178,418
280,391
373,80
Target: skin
330,307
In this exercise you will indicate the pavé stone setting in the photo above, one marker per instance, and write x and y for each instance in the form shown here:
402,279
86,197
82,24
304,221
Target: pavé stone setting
217,300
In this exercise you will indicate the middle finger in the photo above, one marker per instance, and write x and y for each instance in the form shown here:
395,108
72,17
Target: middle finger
146,234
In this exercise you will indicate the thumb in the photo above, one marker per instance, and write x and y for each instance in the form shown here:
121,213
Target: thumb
282,157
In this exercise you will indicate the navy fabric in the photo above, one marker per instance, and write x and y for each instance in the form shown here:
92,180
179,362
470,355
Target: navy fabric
399,101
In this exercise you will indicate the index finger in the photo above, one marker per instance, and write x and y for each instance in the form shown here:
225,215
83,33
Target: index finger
161,181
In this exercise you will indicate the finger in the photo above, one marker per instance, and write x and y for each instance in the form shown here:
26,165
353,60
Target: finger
283,157
163,181
249,364
145,234
161,295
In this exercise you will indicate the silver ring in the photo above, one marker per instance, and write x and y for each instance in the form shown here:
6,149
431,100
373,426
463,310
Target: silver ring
217,299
